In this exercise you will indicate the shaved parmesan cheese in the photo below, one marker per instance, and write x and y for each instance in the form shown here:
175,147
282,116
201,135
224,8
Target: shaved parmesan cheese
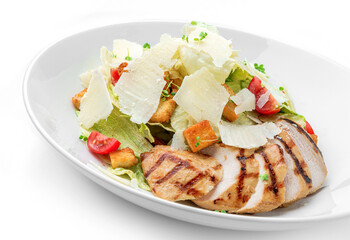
96,103
123,48
215,45
164,52
245,101
178,141
193,60
188,28
263,99
85,78
140,88
202,96
242,136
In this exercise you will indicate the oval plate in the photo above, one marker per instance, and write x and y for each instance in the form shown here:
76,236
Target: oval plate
317,85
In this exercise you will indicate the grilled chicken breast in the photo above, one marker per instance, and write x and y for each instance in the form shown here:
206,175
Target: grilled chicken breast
270,190
241,190
180,175
241,172
237,180
297,181
309,153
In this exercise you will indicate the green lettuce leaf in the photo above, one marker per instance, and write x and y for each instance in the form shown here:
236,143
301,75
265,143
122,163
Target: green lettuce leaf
126,132
134,175
238,79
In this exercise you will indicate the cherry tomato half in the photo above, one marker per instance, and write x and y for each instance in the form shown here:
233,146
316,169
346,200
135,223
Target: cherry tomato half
271,106
114,75
117,72
309,128
100,144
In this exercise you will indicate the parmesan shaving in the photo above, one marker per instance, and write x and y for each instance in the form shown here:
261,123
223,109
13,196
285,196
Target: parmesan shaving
263,99
245,101
202,96
215,45
140,88
243,136
96,103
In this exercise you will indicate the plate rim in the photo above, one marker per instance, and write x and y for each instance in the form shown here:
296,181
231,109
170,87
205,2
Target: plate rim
104,178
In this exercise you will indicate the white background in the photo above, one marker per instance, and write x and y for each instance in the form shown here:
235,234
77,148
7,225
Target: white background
43,197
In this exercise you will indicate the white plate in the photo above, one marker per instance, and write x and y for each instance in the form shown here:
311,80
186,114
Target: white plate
319,88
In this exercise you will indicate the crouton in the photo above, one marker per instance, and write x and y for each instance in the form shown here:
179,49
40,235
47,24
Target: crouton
124,158
77,98
164,111
229,112
200,135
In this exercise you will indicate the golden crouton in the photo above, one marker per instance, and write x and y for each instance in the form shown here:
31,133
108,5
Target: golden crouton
123,158
200,135
164,111
77,98
229,112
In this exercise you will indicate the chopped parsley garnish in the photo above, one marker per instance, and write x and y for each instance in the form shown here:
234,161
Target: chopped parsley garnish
264,177
146,46
114,55
202,35
198,141
83,138
260,67
77,113
173,93
281,88
185,38
128,58
194,23
167,77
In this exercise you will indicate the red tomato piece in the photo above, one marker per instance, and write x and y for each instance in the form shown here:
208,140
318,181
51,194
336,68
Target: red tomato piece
271,106
309,128
255,85
100,144
117,72
114,75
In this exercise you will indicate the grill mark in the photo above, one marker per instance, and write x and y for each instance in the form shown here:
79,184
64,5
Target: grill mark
243,173
273,186
173,171
169,157
301,130
295,159
156,165
193,181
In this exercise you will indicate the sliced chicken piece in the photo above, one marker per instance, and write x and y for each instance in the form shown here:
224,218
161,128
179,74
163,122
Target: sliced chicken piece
241,173
180,175
270,190
309,151
297,181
